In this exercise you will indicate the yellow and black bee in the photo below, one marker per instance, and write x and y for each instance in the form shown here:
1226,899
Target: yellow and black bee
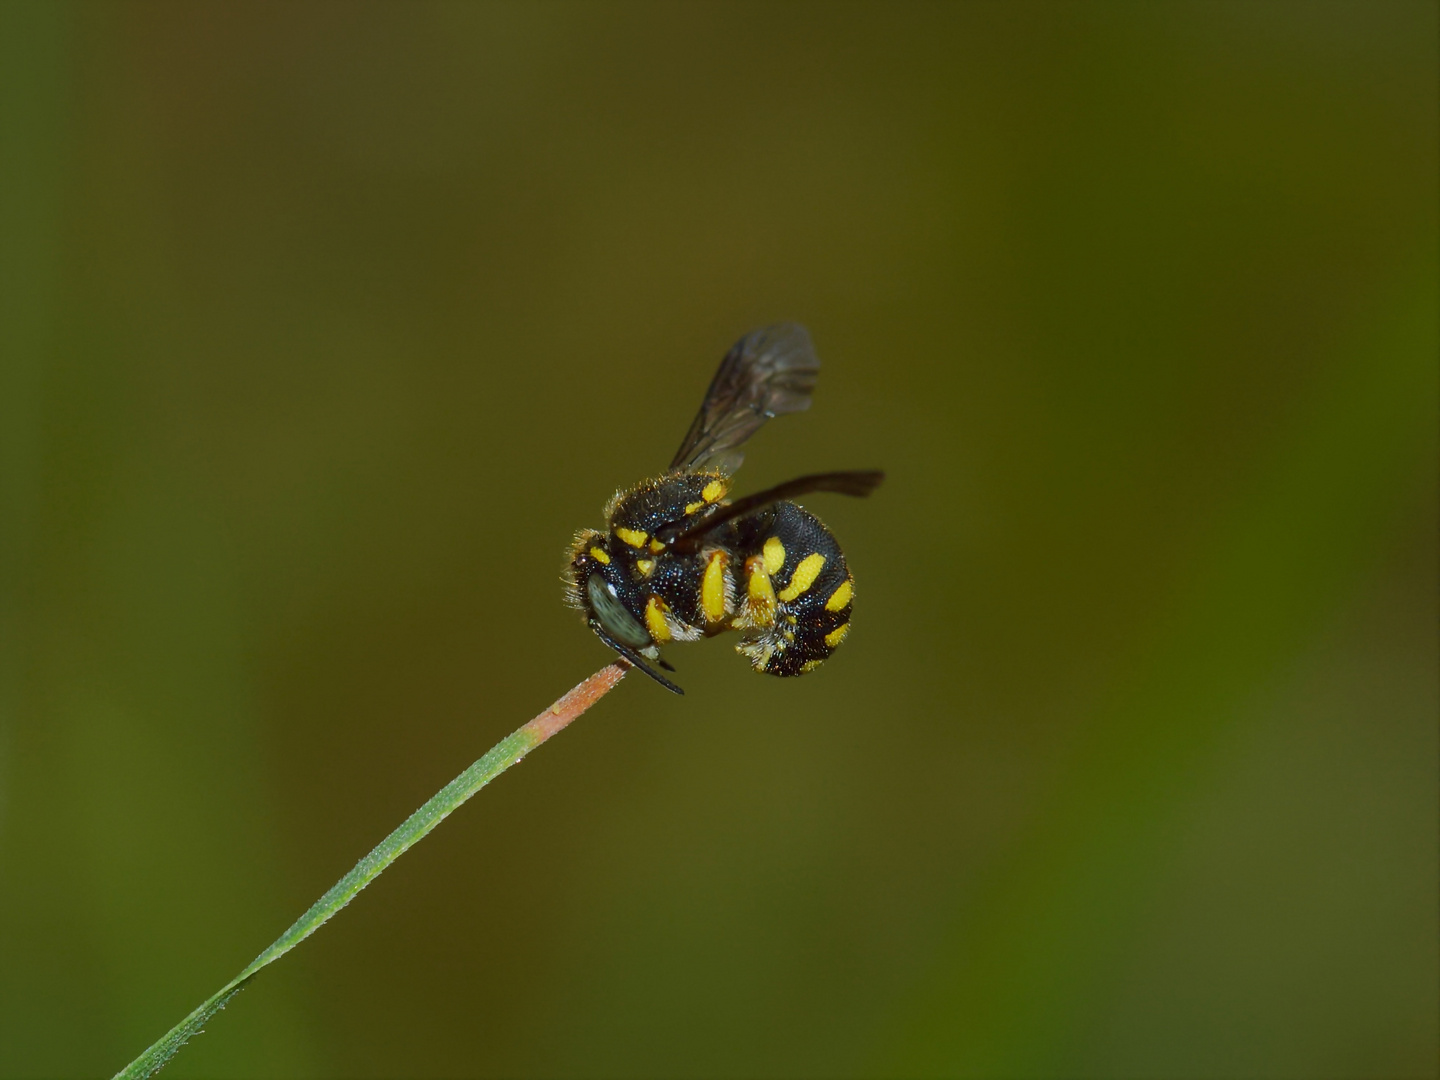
680,561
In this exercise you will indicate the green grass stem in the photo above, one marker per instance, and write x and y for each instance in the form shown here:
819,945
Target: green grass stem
508,751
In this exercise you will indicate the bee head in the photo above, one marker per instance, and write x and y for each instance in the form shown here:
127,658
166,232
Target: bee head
597,585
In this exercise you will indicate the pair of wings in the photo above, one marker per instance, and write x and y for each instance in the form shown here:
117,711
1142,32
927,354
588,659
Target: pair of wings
767,373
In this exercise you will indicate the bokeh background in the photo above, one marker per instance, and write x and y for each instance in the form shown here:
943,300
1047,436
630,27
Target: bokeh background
325,326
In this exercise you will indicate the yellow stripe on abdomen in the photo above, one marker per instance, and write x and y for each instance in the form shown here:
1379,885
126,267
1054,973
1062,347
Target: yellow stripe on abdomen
774,555
804,576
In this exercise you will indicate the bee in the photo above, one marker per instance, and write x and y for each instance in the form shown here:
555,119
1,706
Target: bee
681,561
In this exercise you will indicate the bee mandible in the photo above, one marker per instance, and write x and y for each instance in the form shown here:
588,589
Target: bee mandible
680,561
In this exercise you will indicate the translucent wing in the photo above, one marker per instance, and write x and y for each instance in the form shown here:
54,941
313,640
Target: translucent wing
766,373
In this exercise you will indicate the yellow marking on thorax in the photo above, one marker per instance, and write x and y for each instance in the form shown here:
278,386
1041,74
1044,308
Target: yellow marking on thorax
655,545
645,566
810,665
633,537
690,508
837,635
841,596
774,554
712,587
599,556
713,490
804,576
655,609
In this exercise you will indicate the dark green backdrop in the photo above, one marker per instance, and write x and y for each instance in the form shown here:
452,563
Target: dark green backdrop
325,325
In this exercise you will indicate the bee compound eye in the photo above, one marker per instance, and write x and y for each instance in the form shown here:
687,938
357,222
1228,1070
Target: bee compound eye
618,622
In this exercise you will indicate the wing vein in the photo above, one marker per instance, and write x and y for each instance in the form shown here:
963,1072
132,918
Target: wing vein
767,373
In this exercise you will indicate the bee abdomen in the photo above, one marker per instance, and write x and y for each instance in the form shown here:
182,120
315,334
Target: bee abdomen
799,592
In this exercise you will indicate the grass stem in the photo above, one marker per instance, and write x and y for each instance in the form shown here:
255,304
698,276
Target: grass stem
508,751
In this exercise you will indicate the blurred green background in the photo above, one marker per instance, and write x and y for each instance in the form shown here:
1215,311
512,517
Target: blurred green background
323,327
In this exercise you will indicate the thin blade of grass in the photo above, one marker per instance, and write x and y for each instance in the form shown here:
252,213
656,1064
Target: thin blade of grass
508,751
